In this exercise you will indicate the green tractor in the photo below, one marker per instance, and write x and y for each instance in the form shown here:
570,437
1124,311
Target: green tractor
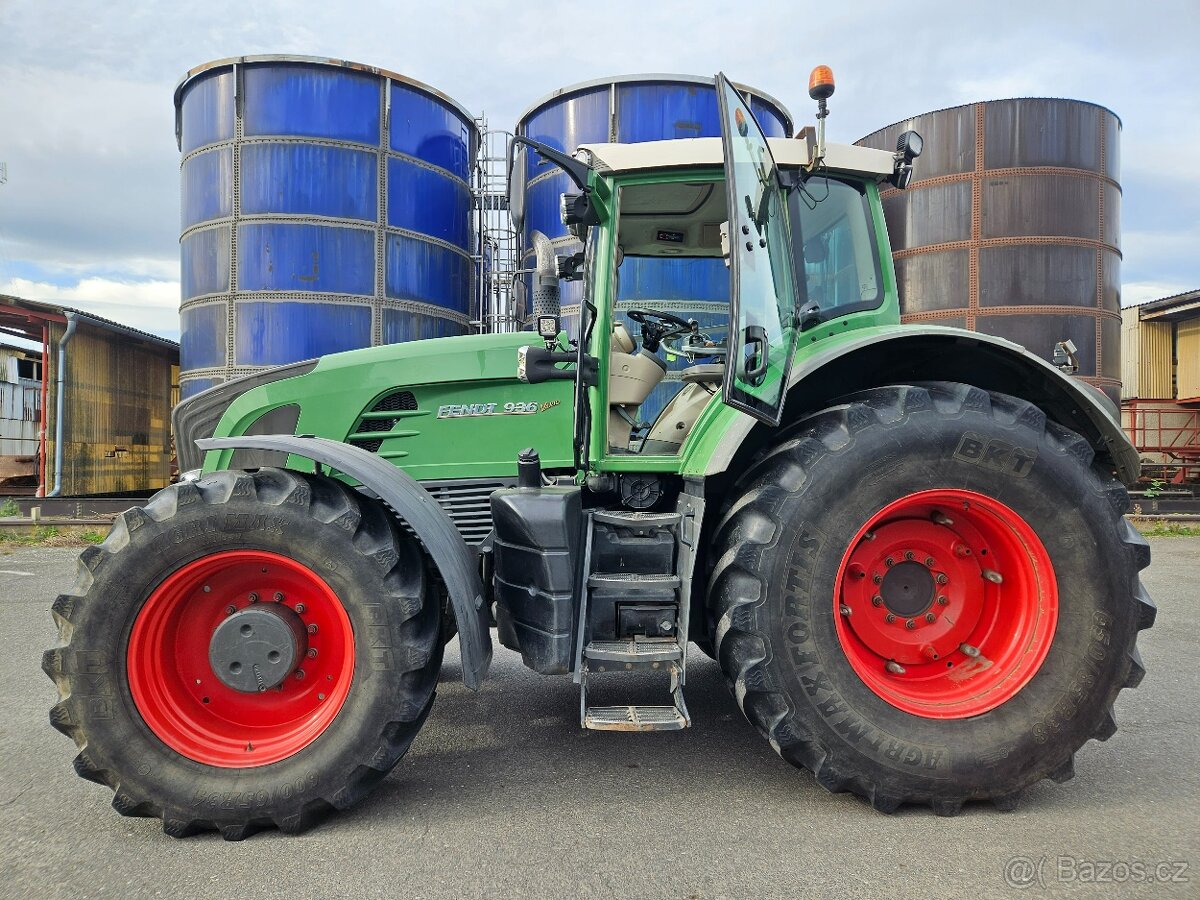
903,544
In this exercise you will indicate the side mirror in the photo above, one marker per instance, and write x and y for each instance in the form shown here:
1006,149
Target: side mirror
518,176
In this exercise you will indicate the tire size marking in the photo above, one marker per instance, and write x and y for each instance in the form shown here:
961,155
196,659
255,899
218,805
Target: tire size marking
995,454
1079,690
816,682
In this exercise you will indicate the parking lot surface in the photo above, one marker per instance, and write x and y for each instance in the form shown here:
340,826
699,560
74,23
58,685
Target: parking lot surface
502,795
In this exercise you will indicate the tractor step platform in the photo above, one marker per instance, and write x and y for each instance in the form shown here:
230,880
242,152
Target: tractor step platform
632,652
628,519
614,580
634,718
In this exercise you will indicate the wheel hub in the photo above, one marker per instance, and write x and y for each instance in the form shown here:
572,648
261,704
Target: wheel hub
256,648
907,589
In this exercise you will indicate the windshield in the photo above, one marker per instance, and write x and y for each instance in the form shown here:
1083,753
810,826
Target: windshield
836,241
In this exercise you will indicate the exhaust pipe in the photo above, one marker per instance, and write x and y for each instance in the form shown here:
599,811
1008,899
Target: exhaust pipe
545,291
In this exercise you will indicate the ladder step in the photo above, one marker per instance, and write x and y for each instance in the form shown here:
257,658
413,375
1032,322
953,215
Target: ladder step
636,519
633,651
631,580
634,718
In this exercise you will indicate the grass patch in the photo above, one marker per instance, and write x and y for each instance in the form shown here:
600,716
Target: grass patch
1163,528
9,509
50,536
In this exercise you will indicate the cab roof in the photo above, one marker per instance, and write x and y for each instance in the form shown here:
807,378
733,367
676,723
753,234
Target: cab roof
682,153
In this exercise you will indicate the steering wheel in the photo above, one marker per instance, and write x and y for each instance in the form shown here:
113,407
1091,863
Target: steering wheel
657,325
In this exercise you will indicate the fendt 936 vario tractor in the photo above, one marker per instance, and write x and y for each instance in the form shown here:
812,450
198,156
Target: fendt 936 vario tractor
903,544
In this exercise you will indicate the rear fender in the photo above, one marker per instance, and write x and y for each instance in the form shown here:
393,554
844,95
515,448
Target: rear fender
455,561
912,353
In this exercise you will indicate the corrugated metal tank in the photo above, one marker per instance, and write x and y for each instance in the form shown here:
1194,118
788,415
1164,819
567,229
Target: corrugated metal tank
632,109
1011,226
326,206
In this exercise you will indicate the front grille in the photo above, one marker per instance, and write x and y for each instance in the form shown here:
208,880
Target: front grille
366,426
400,400
371,446
468,503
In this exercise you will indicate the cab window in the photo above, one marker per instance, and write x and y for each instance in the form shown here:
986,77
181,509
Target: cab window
836,241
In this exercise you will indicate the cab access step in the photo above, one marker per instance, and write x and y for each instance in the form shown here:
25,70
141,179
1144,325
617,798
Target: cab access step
633,611
600,593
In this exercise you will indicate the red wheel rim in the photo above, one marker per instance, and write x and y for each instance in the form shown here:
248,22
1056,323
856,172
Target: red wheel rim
946,603
194,712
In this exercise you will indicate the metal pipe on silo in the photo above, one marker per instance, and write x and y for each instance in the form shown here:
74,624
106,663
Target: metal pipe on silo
1011,226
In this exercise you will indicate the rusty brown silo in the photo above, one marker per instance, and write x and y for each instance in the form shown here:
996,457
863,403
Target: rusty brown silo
1012,226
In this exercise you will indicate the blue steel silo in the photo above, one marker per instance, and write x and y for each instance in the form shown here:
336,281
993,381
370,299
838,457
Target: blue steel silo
326,206
632,109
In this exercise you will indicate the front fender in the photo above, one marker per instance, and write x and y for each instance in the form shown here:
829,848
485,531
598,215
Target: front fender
407,499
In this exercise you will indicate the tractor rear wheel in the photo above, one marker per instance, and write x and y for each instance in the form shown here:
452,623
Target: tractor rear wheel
928,594
250,650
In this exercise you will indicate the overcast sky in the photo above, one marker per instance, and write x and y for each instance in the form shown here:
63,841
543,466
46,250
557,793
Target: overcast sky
90,214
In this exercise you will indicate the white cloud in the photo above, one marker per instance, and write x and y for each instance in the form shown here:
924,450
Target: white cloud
147,305
1140,292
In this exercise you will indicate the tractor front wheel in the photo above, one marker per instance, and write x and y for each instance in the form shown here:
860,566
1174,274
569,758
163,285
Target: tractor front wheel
251,650
928,594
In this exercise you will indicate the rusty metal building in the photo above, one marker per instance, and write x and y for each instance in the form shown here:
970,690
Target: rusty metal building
1011,226
103,418
1160,384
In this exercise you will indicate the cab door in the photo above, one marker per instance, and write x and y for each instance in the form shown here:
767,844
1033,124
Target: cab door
762,315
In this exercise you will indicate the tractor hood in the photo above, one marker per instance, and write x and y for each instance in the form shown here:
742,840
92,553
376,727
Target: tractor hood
440,408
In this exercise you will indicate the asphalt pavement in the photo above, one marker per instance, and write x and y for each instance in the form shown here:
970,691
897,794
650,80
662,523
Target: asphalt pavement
502,795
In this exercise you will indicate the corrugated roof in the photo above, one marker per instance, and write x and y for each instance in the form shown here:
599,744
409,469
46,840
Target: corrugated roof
90,318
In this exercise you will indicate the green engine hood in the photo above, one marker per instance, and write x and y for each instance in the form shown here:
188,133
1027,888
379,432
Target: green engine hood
471,417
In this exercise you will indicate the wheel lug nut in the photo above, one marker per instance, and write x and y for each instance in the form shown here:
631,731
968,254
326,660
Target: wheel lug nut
910,624
992,576
877,600
889,618
845,610
929,562
277,597
889,562
312,652
230,609
930,617
253,598
908,554
894,667
312,627
942,601
300,608
941,578
299,674
878,579
970,651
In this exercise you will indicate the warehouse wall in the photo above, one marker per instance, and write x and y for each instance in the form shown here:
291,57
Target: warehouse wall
117,413
1146,358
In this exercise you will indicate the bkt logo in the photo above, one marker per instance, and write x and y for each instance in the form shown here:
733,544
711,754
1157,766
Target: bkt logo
995,454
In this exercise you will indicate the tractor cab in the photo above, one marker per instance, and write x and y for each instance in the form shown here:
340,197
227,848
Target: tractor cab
706,262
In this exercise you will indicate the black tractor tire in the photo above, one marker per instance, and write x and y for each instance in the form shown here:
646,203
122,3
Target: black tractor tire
783,540
377,574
